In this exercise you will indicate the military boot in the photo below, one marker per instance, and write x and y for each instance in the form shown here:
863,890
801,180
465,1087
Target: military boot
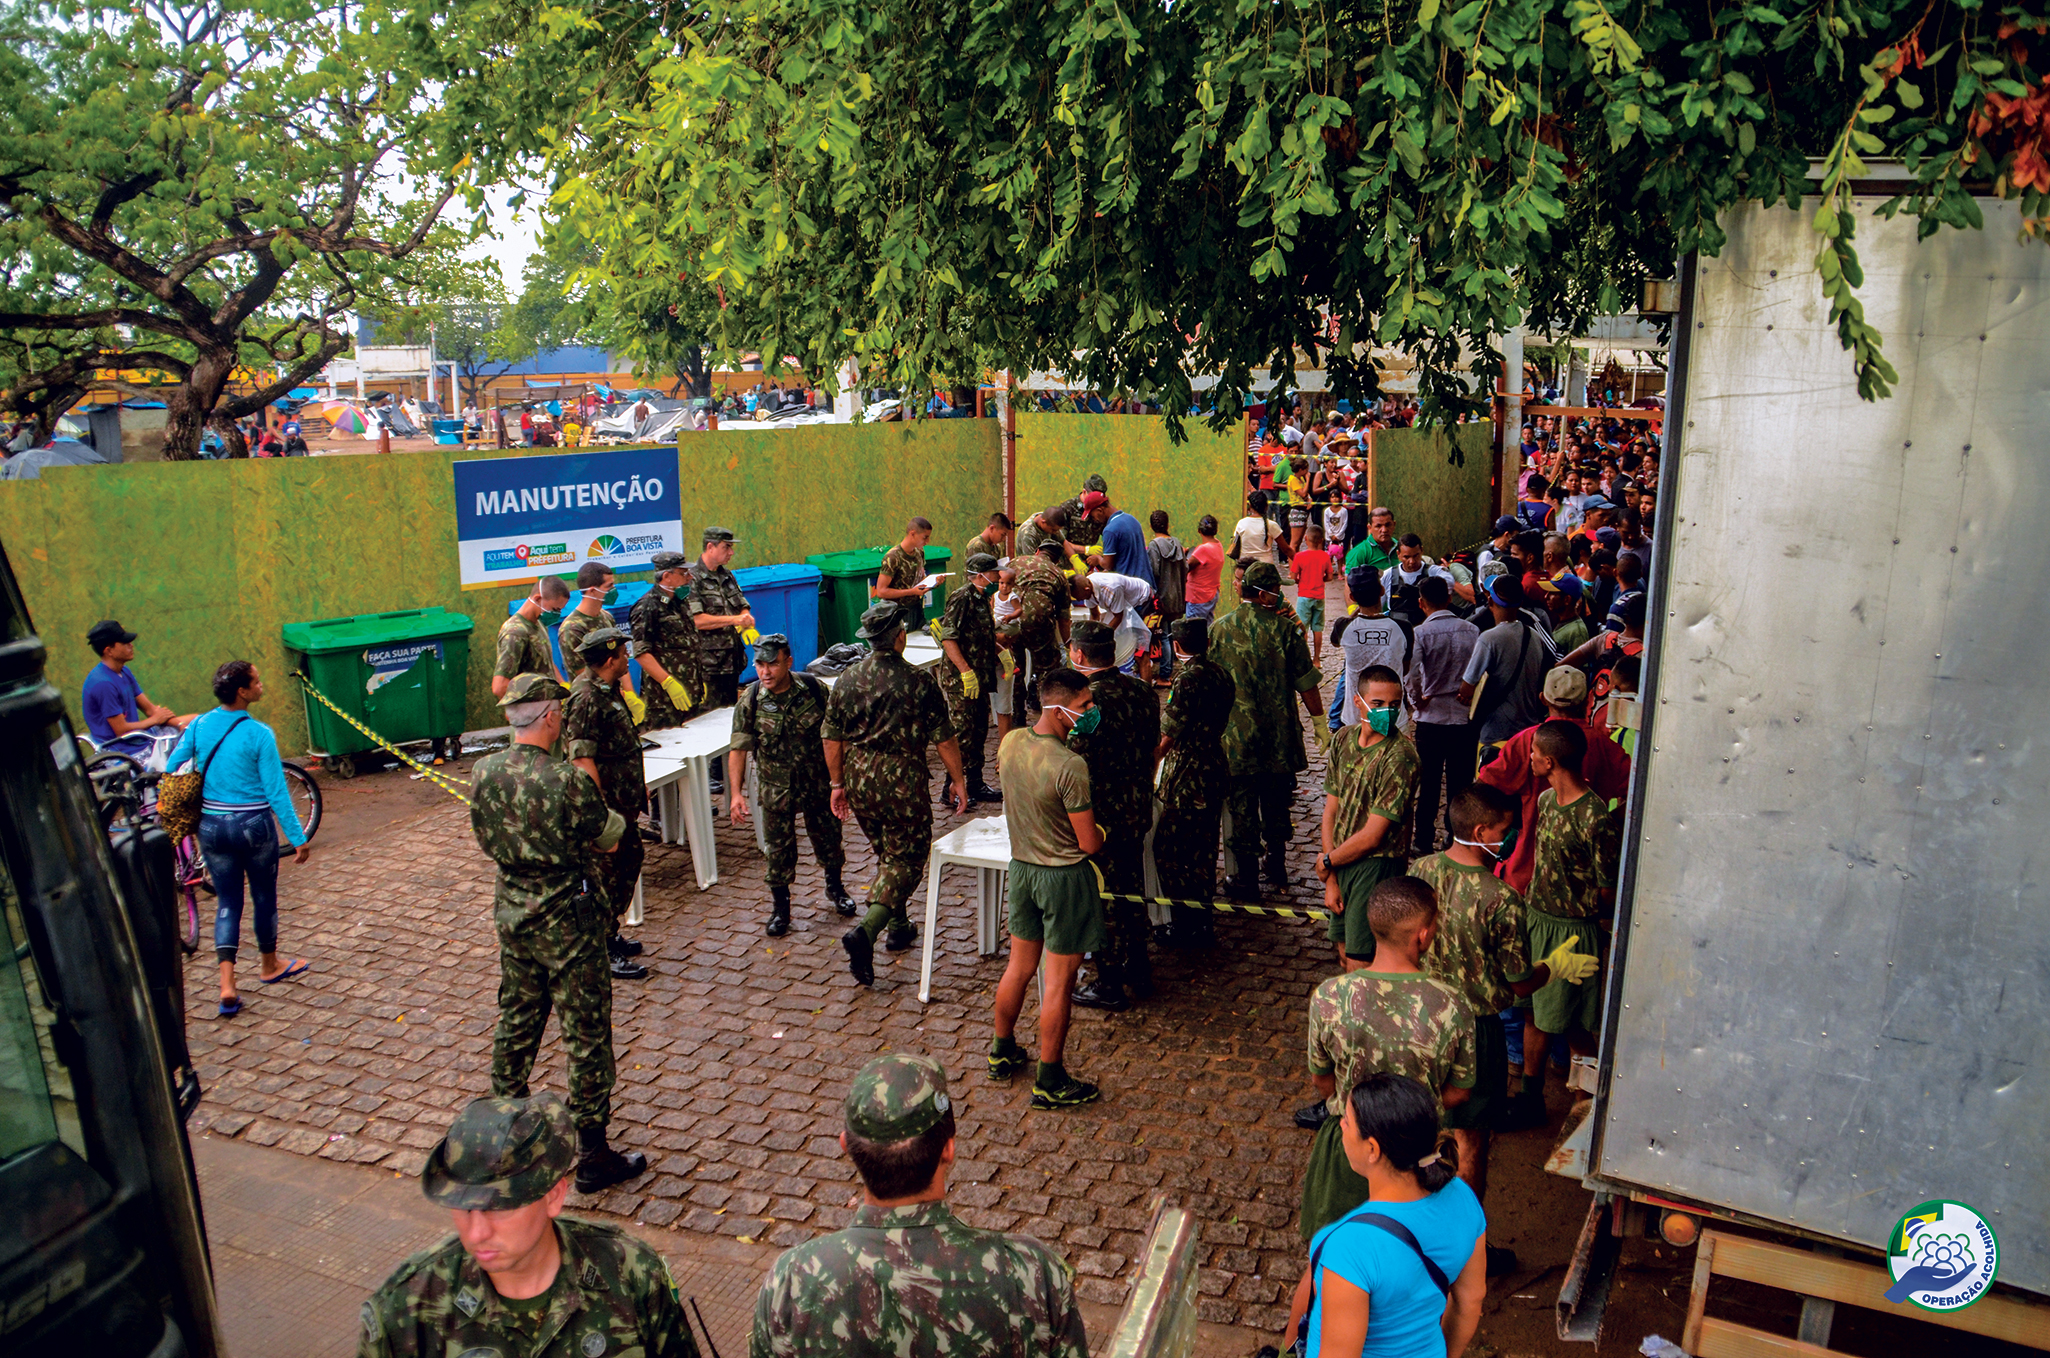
1105,990
626,969
599,1166
837,894
779,911
1244,887
620,946
901,934
979,791
861,955
1274,871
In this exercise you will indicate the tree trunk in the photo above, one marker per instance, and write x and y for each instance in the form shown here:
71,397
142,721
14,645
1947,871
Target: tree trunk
230,431
193,400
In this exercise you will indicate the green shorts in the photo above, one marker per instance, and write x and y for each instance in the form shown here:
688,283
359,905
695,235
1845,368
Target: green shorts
1562,1006
1490,1090
1356,883
1061,908
1311,613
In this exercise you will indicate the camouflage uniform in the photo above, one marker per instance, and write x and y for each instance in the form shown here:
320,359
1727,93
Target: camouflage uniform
715,590
596,726
570,634
522,649
887,712
1481,945
1035,634
1119,753
1030,535
539,818
901,570
781,732
968,623
1268,662
1378,781
988,543
917,1279
612,1294
1577,849
661,627
1363,1023
1195,779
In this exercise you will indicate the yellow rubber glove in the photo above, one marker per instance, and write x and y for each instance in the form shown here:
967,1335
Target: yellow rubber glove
934,628
1568,964
751,635
635,708
678,694
971,687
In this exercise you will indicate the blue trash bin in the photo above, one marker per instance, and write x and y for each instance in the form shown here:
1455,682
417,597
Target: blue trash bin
783,599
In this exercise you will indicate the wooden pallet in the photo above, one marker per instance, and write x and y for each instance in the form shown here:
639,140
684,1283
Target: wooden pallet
1822,1281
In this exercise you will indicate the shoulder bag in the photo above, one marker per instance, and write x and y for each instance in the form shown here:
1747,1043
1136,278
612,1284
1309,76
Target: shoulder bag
1301,1346
179,795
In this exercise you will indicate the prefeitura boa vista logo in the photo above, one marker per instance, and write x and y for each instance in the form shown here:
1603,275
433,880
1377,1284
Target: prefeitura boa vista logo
1942,1256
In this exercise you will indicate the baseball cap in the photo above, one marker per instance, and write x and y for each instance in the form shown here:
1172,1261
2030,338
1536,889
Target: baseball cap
1565,582
1508,523
534,688
669,561
1608,537
107,633
1507,591
1565,686
773,642
1092,498
880,622
897,1097
1597,502
1262,576
1088,632
717,534
1192,633
981,563
501,1154
600,641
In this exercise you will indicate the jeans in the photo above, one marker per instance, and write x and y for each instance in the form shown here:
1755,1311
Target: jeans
1335,714
1447,751
242,846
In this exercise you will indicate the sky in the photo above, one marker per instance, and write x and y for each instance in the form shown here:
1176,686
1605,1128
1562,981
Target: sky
517,232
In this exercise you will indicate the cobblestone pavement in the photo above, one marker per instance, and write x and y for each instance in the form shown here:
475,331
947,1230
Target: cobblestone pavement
735,1052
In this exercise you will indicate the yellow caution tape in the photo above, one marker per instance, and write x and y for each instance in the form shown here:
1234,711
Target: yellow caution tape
1286,912
440,780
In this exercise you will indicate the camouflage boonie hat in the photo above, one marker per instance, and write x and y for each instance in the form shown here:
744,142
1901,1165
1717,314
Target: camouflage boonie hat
533,688
500,1154
881,622
981,563
669,561
1261,575
600,642
897,1097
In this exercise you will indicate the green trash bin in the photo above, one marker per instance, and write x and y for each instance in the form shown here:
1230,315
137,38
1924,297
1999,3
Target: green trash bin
844,586
405,675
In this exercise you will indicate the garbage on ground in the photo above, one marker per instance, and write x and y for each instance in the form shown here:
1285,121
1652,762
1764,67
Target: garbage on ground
1658,1346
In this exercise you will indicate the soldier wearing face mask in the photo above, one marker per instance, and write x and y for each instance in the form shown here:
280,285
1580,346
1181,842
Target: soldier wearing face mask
1369,790
1260,647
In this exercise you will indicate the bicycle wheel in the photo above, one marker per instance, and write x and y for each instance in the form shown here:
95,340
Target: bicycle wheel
305,797
116,780
189,867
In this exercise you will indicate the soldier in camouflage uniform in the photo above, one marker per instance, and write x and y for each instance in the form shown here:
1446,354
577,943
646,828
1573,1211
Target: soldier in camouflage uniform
907,1276
540,818
902,571
1036,634
1048,525
1120,753
517,1277
594,581
719,612
993,541
968,637
778,720
882,716
1392,1018
666,645
523,641
1260,646
1370,782
1194,780
599,737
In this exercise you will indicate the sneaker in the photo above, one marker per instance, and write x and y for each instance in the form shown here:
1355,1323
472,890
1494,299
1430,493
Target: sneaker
1313,1116
1071,1093
626,969
1005,1065
861,955
899,937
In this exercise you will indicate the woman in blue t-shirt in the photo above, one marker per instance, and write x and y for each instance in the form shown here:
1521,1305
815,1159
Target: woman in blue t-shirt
1372,1293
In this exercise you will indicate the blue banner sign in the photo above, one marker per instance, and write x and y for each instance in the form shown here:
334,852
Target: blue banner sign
519,518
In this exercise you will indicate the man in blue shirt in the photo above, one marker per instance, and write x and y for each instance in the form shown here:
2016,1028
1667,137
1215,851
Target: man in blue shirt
1124,547
118,714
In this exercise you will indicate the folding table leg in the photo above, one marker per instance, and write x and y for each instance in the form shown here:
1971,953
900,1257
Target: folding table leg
696,817
754,797
636,912
934,865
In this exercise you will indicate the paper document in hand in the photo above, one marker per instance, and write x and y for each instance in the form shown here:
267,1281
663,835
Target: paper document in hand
931,580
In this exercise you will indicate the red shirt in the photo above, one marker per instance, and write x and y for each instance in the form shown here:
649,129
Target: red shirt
1206,572
1311,568
1606,769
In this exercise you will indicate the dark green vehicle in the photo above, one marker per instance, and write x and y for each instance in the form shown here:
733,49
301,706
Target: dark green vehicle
102,1250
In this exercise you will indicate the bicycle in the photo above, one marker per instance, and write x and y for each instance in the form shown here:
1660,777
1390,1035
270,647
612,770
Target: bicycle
127,794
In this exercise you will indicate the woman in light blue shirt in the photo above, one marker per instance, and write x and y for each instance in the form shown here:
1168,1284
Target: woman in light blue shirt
1409,1285
244,790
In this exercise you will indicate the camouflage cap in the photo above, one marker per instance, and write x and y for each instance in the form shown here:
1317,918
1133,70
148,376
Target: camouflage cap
533,688
981,563
600,642
501,1154
669,561
717,534
1192,633
1088,632
1262,575
775,643
896,1097
881,622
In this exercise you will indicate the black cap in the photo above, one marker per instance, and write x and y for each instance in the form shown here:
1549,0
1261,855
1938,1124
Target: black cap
107,633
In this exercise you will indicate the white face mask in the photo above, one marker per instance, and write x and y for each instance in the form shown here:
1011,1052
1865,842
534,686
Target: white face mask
1493,851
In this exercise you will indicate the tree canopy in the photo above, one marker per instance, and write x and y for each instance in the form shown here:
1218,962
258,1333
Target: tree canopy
1140,193
193,187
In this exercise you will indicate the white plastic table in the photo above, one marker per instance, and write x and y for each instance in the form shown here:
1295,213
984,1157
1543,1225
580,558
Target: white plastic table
679,776
982,844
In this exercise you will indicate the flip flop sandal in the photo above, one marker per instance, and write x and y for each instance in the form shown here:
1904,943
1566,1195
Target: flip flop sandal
299,967
230,1008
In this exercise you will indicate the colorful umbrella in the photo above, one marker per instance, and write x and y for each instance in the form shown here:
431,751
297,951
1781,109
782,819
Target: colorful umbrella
347,419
